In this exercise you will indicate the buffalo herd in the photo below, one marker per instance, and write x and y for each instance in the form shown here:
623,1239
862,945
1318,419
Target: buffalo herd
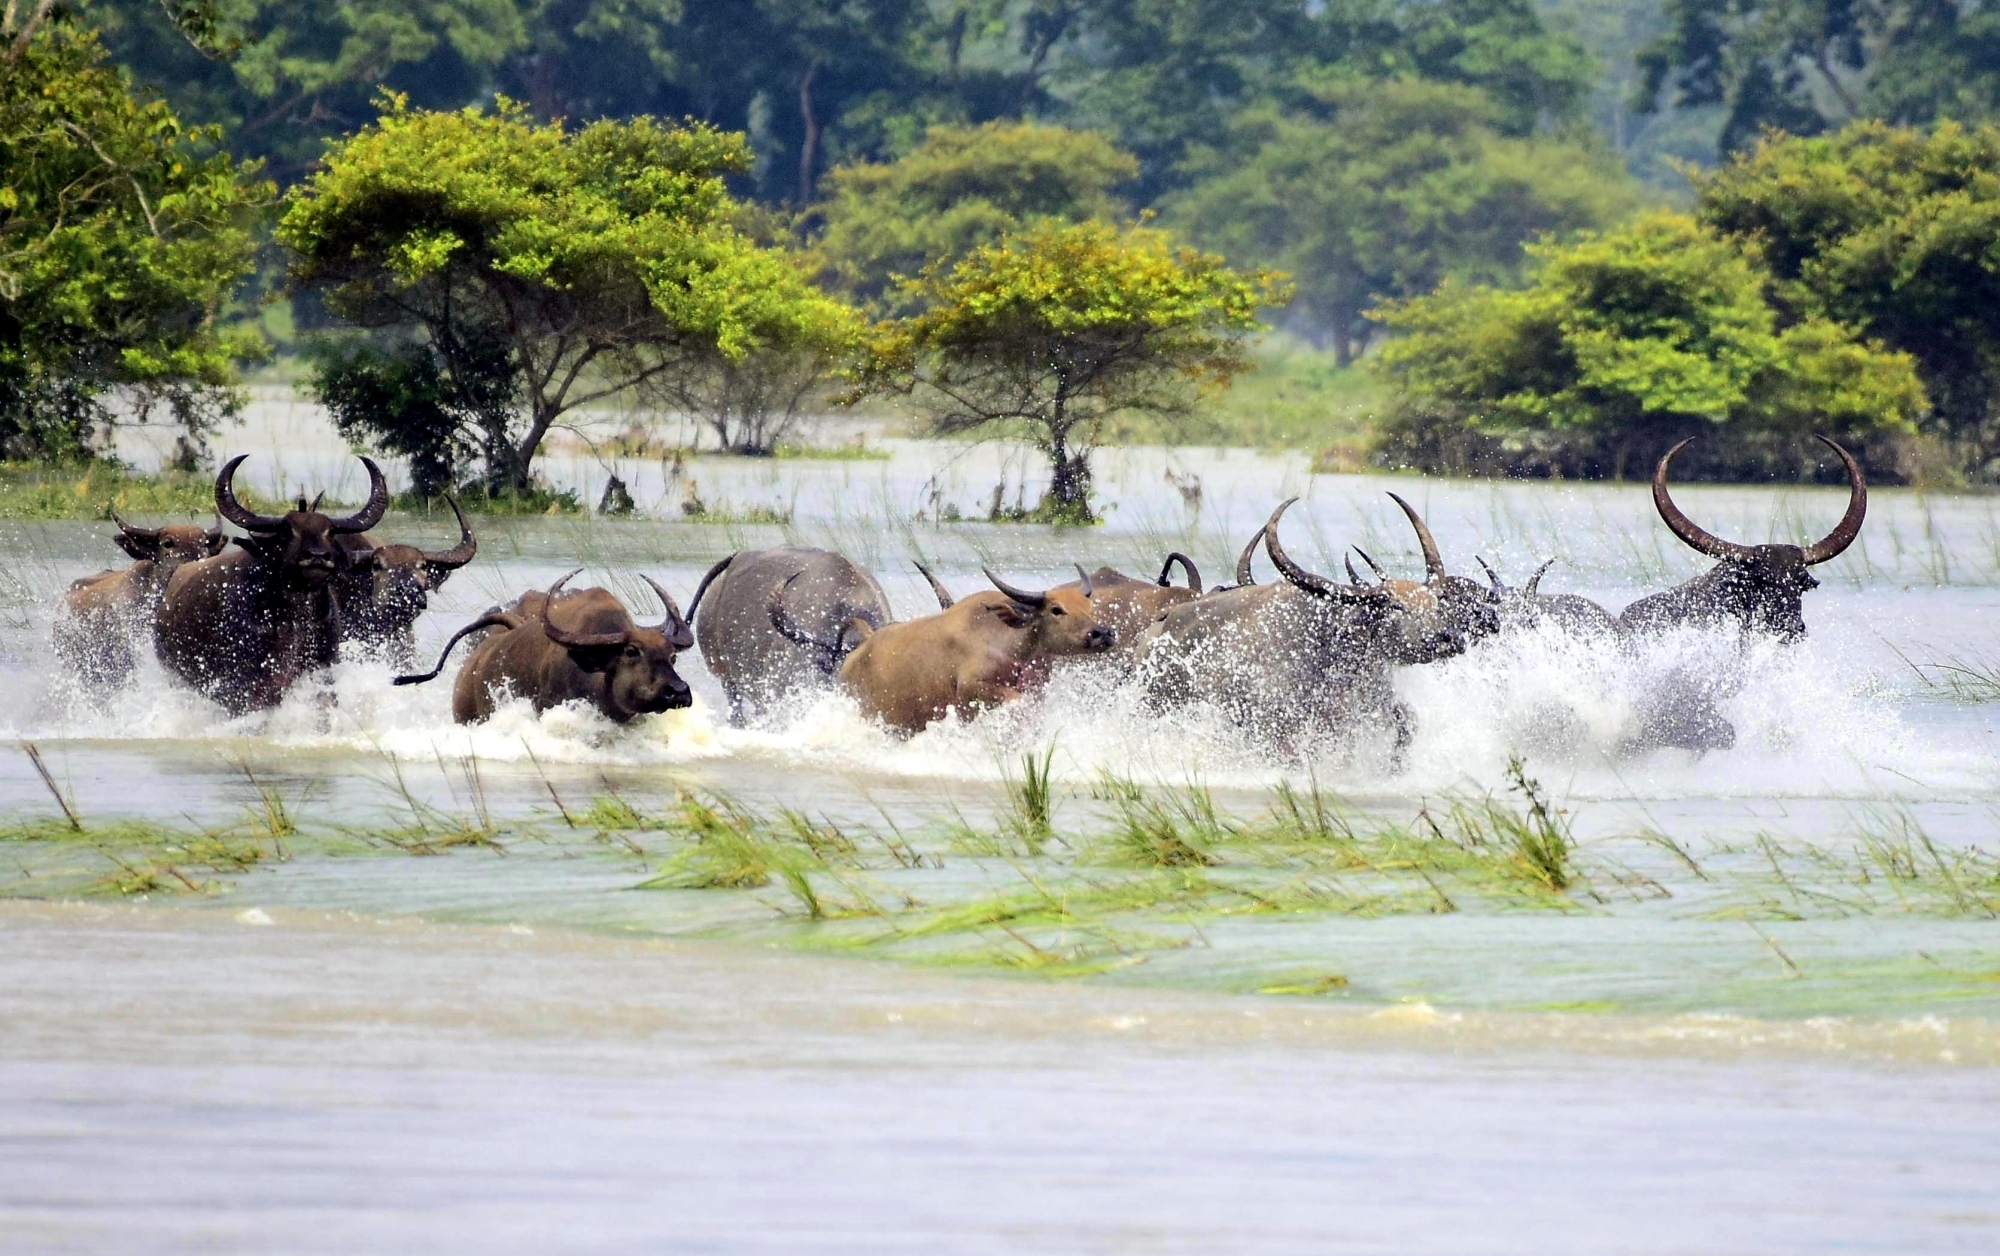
1303,657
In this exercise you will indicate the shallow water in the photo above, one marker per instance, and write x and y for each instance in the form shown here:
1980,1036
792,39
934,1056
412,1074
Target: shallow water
1759,1004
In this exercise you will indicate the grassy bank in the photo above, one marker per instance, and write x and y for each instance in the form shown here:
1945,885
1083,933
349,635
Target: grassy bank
35,491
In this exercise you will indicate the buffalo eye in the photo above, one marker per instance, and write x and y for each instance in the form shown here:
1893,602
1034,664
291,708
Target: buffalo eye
631,651
1057,610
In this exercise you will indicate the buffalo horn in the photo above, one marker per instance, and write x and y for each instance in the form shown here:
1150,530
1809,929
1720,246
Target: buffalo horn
373,509
1244,575
1433,561
137,534
1372,564
1187,566
1353,576
1492,576
673,626
236,512
1685,528
569,639
1292,571
1083,580
787,627
1849,527
945,600
1535,581
1025,598
460,554
707,580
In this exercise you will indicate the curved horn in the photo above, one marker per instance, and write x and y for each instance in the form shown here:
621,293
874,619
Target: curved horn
1187,565
236,512
673,626
1083,580
501,619
1025,598
569,639
945,600
373,509
460,554
1849,527
1683,527
1292,571
1433,561
317,499
781,619
1373,566
1492,576
1535,581
1353,577
707,580
146,534
1244,576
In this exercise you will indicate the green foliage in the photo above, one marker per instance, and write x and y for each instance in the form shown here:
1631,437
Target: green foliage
1058,328
962,187
119,244
397,397
591,262
96,489
1382,190
1893,231
1624,343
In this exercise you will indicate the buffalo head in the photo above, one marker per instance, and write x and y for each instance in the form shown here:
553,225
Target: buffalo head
401,578
1407,624
169,547
1761,586
303,543
637,663
1061,621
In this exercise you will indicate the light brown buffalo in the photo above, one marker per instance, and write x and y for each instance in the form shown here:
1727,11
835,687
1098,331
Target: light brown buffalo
101,615
984,650
577,646
1124,604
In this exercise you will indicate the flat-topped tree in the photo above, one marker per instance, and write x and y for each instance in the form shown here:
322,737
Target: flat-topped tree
598,258
1058,329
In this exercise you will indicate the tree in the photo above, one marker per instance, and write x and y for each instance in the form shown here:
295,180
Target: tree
1386,189
1813,65
1625,343
592,260
1059,327
961,187
120,242
1891,230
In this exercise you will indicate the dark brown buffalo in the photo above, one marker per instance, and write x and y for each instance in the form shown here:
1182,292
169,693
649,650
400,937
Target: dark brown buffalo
1759,588
984,650
102,615
1298,659
1469,608
577,646
387,588
1529,607
760,668
244,626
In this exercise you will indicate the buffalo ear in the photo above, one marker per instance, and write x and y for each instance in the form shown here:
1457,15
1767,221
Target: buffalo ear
142,550
594,658
435,576
217,543
1013,615
267,547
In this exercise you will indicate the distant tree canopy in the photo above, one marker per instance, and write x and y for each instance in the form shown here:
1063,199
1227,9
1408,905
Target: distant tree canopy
1056,329
1806,66
821,83
962,187
540,268
120,242
1893,231
1624,343
1378,190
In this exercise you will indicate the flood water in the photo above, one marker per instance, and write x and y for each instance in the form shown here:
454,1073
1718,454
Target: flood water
349,1048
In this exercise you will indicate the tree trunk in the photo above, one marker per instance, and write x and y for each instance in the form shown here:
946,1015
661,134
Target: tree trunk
1069,483
1343,343
809,146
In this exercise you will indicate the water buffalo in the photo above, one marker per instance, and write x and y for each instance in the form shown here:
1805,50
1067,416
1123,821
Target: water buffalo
984,650
387,587
760,667
1529,607
1469,608
1302,657
1757,587
244,626
576,646
101,615
1125,605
